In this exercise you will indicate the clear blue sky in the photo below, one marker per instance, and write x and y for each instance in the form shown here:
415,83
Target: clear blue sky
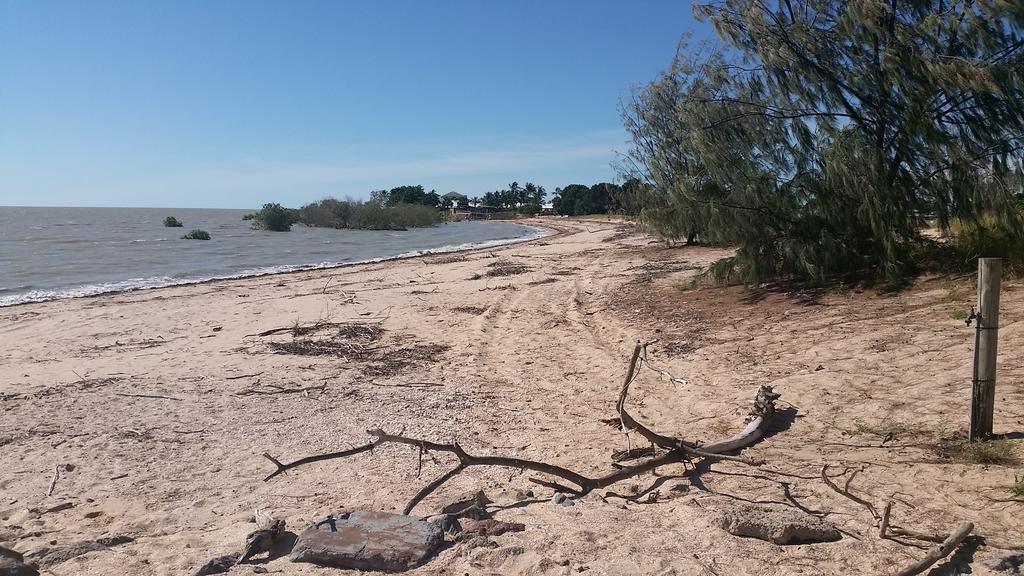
236,103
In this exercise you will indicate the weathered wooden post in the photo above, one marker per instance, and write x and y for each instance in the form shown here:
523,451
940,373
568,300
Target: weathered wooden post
983,387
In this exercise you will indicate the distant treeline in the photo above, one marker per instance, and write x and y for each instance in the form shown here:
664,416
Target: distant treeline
412,206
525,199
602,198
368,215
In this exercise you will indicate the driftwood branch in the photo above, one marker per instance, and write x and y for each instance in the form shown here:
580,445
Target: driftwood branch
846,492
429,488
586,484
281,468
757,421
677,450
940,551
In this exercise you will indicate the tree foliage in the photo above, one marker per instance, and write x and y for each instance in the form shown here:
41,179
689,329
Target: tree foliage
601,198
818,135
172,222
406,195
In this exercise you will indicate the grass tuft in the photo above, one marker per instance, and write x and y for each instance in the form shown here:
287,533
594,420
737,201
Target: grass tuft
1017,489
884,429
999,452
687,286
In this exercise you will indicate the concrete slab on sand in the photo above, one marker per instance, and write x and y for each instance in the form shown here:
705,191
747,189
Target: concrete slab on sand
778,525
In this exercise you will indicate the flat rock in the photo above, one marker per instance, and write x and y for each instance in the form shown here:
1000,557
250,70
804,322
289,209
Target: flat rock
368,540
778,525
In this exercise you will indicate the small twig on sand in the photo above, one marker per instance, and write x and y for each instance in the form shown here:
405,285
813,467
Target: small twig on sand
272,331
885,520
281,390
409,385
53,483
846,486
148,396
243,376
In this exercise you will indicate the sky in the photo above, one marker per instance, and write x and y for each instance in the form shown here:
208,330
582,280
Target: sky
230,104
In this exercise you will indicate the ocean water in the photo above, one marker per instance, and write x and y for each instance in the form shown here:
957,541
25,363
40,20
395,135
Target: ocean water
49,253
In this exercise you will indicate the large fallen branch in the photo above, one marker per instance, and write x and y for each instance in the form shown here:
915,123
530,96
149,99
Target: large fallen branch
466,460
677,450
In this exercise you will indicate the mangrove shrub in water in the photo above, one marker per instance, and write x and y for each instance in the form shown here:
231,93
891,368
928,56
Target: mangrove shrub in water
273,217
197,234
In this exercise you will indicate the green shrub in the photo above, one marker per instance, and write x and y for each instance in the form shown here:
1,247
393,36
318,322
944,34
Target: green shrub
959,314
197,234
273,217
172,222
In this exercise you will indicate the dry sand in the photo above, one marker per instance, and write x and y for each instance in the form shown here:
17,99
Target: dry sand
146,395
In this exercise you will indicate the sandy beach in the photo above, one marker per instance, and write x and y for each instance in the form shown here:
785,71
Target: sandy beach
158,405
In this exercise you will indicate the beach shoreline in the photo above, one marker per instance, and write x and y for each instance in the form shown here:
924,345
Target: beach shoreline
541,231
158,405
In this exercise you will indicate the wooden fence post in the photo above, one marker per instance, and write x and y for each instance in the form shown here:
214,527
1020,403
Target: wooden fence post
983,387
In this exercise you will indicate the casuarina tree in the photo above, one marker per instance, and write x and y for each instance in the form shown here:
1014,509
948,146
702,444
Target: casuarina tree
818,135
